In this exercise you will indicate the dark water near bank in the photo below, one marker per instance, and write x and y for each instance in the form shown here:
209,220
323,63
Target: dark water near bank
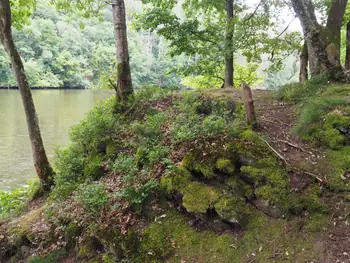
57,111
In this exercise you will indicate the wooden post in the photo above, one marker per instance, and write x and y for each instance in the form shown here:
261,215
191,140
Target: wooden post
249,106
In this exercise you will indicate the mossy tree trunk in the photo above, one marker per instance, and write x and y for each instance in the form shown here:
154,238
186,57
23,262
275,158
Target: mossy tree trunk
323,42
304,58
229,45
123,80
347,55
41,163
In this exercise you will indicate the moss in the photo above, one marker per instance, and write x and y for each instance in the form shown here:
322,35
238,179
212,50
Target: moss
327,133
239,187
117,244
308,200
176,181
335,165
172,240
108,258
316,223
225,166
54,256
229,207
188,161
198,198
193,162
206,170
20,229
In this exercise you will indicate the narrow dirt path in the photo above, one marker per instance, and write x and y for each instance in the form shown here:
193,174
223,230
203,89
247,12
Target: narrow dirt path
277,120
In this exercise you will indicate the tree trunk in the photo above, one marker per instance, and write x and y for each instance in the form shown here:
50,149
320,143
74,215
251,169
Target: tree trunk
249,106
121,43
304,58
41,163
347,56
229,44
323,42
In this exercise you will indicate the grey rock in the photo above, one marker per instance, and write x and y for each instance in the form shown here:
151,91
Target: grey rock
25,251
268,209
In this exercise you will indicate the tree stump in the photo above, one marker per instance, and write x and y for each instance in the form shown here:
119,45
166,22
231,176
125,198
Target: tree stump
249,106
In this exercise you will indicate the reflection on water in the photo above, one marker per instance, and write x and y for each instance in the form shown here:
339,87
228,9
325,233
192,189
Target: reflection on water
57,111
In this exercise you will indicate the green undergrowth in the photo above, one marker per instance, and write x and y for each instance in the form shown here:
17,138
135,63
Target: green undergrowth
14,202
127,164
324,120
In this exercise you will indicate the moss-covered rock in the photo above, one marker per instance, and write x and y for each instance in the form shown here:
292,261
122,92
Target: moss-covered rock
232,208
198,198
225,166
176,181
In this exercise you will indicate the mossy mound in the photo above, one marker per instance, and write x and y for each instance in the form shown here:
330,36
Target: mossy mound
176,177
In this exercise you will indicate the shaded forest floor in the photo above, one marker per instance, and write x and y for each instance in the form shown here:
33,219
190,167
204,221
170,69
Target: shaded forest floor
170,237
276,120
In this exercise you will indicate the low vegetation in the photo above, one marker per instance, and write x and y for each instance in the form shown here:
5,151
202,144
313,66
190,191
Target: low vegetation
180,177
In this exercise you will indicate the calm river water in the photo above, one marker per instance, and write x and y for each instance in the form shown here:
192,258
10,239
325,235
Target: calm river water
57,111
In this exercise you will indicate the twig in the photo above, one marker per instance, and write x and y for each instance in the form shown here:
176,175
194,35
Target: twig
274,121
253,260
274,255
276,152
315,176
295,146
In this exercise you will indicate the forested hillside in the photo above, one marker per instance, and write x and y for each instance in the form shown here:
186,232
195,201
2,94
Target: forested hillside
59,50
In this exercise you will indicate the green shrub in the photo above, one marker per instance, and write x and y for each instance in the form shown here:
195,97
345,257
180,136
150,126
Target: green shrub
125,165
94,168
14,202
69,166
93,133
213,125
150,155
186,128
298,91
151,128
93,196
136,197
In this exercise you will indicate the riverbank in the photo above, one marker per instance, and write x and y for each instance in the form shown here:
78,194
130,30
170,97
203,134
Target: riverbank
47,88
180,178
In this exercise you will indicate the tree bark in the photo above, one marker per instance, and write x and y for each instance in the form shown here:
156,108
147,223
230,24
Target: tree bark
249,106
41,163
122,51
229,44
323,43
335,22
347,56
304,58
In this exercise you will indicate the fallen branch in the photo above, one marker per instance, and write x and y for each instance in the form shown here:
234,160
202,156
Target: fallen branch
315,176
276,152
295,146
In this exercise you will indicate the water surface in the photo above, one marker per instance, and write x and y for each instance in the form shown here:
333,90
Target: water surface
57,111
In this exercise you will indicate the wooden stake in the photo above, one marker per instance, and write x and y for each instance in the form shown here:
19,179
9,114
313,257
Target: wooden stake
249,106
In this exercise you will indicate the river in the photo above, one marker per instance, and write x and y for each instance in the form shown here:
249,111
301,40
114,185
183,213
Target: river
57,111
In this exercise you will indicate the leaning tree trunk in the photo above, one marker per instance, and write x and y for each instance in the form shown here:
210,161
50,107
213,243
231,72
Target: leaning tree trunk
323,42
121,43
347,56
304,58
41,163
229,44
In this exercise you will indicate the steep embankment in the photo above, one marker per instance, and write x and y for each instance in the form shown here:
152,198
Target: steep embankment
179,178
